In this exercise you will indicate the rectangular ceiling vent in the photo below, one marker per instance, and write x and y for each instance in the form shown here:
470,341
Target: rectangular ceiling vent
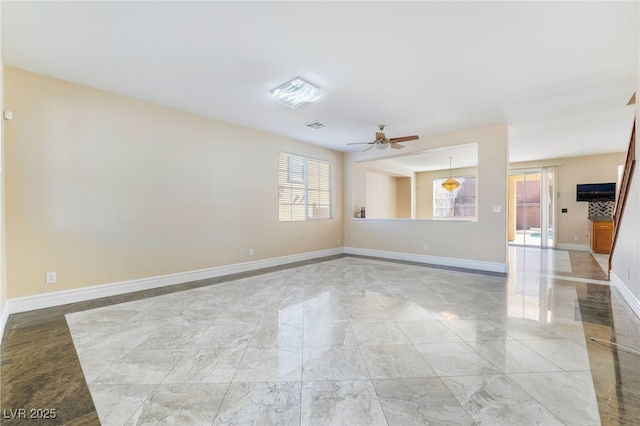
316,125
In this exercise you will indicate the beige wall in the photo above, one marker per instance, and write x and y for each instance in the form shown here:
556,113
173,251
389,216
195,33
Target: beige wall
403,199
382,195
572,171
481,240
387,196
102,188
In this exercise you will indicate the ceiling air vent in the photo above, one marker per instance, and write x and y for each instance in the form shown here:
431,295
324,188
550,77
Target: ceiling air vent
316,125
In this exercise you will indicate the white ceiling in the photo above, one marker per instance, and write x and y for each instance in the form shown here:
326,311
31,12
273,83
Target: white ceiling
560,73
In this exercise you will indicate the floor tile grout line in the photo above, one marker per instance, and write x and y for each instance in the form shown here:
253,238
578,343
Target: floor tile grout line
453,394
513,382
370,380
533,397
141,405
304,316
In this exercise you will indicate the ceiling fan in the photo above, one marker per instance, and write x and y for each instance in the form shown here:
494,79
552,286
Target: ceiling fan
382,142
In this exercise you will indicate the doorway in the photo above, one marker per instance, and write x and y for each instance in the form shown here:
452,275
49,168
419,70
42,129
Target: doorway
531,207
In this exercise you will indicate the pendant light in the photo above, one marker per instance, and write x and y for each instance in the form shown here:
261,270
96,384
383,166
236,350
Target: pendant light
450,184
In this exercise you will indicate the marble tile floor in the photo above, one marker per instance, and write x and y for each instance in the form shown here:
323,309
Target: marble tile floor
346,340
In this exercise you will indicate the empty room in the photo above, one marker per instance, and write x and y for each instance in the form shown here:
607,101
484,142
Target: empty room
319,213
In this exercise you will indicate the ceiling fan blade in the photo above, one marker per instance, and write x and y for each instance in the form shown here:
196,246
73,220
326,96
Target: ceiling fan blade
367,149
382,141
405,138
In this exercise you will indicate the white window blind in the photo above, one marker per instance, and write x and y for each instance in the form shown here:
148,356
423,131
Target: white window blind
305,187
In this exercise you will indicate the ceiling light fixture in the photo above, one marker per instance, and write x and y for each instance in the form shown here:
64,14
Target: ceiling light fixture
297,92
382,145
450,184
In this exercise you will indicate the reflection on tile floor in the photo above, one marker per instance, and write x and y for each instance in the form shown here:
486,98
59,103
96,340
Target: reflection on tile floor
349,341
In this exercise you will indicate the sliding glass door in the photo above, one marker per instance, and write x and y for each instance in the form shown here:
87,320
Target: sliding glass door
531,207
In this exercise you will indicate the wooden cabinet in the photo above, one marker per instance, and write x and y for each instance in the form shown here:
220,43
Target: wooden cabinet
601,236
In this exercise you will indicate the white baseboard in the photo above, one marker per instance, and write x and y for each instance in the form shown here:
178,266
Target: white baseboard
4,316
432,260
632,301
47,300
574,247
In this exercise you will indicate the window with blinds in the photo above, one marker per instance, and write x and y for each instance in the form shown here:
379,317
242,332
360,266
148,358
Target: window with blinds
458,203
305,188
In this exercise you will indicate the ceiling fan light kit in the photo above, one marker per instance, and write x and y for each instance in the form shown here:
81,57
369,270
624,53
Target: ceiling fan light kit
297,92
382,142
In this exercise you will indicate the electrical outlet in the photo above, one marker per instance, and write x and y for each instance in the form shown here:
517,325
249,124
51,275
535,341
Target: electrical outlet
338,240
576,238
425,247
250,252
51,277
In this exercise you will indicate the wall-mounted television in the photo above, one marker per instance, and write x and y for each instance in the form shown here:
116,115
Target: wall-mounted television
596,192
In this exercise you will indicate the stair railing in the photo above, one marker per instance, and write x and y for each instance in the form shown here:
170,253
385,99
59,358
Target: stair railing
629,165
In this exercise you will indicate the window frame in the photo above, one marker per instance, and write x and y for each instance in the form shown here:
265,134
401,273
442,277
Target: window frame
435,188
297,181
